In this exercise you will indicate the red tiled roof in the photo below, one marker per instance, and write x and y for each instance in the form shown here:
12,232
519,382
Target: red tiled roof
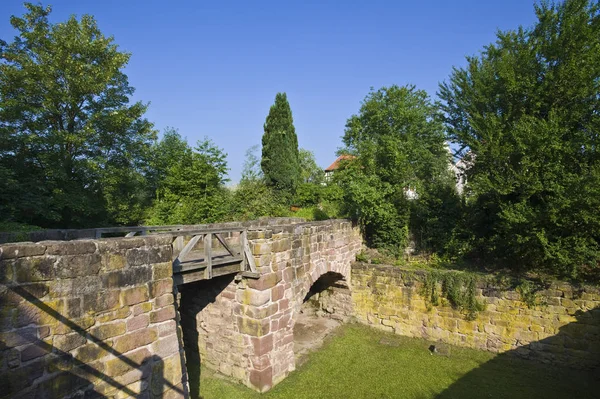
336,164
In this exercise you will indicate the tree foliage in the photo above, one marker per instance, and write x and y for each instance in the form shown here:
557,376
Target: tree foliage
397,139
72,148
280,159
192,189
527,110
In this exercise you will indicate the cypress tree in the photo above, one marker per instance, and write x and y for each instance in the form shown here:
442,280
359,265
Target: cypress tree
280,160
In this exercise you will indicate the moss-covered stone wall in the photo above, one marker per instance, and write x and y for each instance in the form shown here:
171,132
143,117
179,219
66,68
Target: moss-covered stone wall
560,324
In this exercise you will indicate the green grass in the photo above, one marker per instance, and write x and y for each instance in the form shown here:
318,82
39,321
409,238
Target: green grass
354,364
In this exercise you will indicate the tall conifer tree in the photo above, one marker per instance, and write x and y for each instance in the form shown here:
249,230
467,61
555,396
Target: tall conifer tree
280,160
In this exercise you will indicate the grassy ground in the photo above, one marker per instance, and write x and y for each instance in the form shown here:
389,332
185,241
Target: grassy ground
360,362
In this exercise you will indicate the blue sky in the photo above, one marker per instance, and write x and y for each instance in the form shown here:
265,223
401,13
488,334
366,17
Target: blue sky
212,68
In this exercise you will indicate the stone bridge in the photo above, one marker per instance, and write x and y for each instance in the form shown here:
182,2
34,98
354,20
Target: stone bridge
104,317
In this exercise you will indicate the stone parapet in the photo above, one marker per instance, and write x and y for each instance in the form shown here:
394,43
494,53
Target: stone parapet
93,318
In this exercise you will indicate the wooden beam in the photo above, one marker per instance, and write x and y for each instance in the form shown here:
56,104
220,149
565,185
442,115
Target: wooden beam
243,239
249,256
184,252
130,234
208,255
251,275
225,245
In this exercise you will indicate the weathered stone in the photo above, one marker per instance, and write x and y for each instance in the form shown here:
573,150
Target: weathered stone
135,295
163,300
101,301
34,269
90,353
21,250
34,351
253,297
114,261
121,313
134,340
158,288
75,286
68,342
127,277
76,247
265,281
163,314
6,271
253,327
166,346
124,364
108,330
78,265
142,308
262,345
262,380
138,322
162,270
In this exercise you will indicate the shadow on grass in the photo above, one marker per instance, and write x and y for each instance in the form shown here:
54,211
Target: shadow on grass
497,378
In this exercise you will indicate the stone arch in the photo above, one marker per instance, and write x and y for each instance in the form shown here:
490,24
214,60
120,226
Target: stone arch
318,269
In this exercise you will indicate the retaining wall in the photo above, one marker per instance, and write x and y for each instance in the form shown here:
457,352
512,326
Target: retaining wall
563,328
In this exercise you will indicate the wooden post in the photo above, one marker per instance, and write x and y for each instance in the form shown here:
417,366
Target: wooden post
243,239
208,255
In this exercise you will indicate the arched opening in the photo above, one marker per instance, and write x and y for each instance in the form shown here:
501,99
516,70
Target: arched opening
326,305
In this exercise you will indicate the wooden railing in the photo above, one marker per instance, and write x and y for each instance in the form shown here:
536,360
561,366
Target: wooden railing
200,254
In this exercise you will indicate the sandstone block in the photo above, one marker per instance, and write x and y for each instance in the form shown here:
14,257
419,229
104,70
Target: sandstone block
265,281
166,300
124,364
142,308
163,314
253,327
167,328
34,269
21,250
262,345
277,293
121,313
76,247
135,340
68,342
78,265
90,353
253,297
166,346
135,295
262,380
158,288
162,270
101,301
35,350
138,322
127,277
106,331
114,261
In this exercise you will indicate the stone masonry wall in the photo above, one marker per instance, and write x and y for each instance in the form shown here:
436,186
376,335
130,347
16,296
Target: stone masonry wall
565,329
257,347
89,318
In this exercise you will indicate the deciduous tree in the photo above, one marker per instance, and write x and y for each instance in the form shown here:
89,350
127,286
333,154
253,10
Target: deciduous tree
528,111
72,147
